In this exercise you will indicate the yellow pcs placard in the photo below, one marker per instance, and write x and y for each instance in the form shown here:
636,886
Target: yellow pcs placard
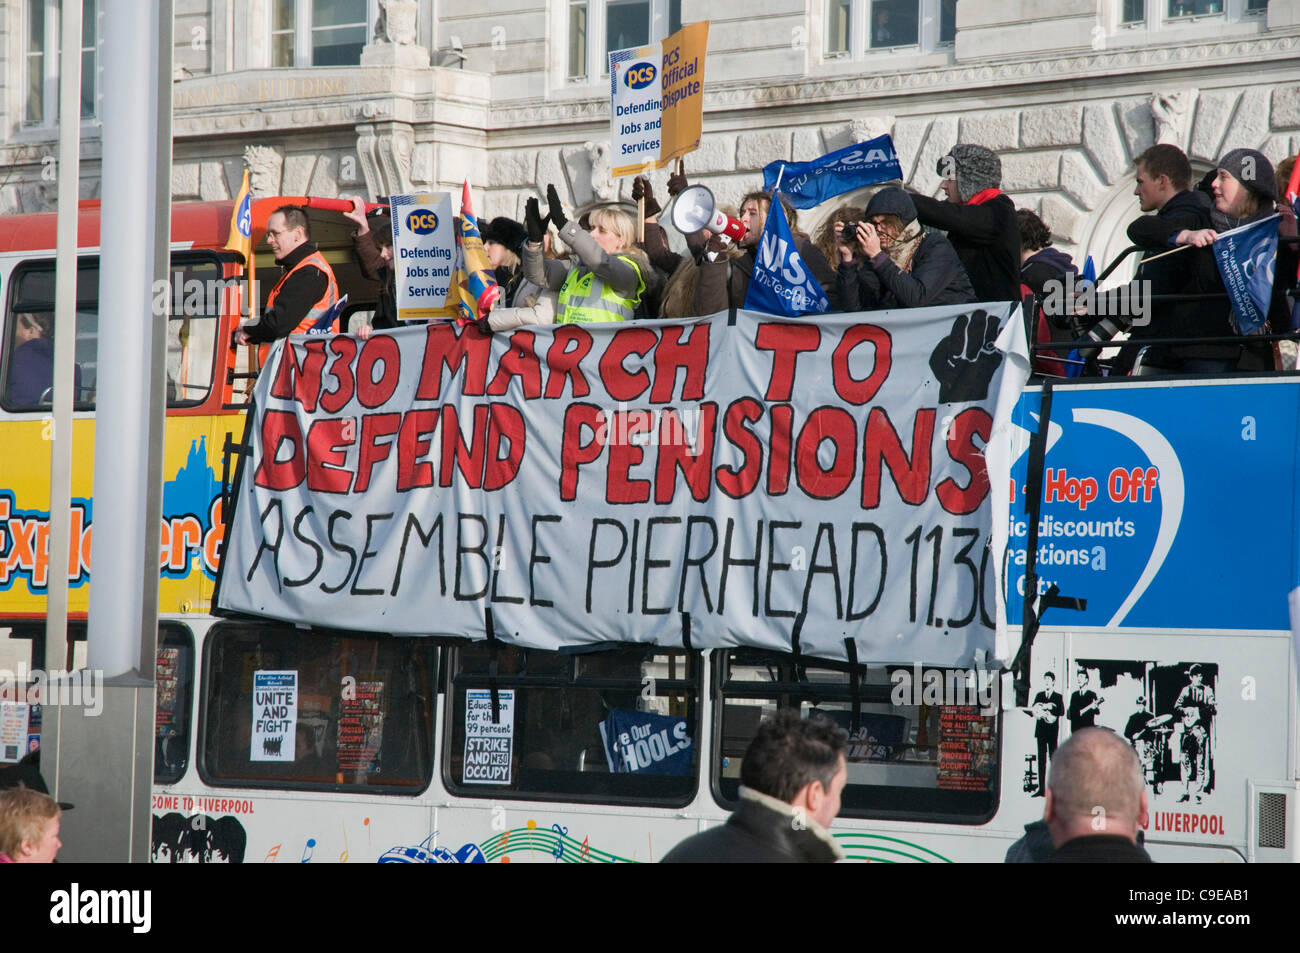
657,101
682,78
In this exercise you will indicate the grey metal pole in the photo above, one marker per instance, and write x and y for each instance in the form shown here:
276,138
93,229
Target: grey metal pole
65,346
125,387
106,749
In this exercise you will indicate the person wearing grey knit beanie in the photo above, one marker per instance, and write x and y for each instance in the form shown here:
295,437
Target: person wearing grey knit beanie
979,219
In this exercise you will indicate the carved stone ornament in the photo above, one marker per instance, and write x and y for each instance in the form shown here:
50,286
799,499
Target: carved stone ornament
264,166
602,183
397,22
385,152
1171,111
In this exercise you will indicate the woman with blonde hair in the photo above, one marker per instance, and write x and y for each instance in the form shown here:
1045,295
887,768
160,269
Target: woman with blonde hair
607,275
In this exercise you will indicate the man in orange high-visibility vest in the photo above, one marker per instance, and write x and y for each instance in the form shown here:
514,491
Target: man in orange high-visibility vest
306,289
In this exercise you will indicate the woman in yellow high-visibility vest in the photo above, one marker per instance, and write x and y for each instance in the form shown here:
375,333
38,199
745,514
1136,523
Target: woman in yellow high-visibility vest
609,273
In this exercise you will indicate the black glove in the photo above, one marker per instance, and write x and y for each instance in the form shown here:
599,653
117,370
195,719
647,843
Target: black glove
557,216
641,190
677,182
534,224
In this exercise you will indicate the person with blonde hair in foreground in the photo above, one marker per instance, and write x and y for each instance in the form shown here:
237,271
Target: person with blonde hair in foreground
29,827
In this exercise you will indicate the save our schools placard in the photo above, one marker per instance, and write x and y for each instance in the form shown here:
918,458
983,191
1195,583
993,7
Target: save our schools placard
643,742
488,744
424,253
275,716
656,100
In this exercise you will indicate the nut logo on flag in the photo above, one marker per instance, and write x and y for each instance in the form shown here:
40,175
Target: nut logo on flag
422,221
639,75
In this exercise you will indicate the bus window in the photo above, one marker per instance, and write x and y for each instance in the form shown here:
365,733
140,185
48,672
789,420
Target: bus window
290,708
607,724
908,761
175,677
22,656
199,294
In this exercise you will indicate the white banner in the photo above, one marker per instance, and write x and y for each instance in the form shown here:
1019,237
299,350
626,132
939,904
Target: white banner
770,480
424,252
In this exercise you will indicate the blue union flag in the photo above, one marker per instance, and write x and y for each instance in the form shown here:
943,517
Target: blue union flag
1246,258
782,283
806,184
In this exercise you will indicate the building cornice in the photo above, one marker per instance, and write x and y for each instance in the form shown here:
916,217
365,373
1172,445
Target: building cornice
949,79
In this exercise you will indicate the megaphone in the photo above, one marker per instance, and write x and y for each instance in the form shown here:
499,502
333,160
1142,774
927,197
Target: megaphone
694,209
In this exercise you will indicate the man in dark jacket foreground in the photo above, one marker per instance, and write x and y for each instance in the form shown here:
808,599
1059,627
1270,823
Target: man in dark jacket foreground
1096,801
791,780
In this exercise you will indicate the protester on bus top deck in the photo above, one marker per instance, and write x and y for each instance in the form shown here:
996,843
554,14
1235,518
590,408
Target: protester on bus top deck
979,219
792,777
29,827
725,272
1043,270
828,235
902,265
522,301
1163,186
1096,768
373,244
609,274
306,289
1244,187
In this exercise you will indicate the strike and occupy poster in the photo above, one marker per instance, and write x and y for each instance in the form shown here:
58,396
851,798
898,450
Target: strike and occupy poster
656,100
489,744
424,253
764,483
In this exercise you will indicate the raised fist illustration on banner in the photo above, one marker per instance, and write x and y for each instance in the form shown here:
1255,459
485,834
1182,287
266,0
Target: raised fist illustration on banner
965,361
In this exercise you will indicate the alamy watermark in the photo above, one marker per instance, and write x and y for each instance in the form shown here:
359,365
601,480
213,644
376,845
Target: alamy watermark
946,686
664,427
1075,296
83,688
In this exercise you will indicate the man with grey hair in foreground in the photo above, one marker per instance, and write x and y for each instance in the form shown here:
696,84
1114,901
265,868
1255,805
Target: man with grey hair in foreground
1096,801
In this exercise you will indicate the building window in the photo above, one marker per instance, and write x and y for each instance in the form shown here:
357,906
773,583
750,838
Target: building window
857,27
43,60
597,27
318,32
1154,13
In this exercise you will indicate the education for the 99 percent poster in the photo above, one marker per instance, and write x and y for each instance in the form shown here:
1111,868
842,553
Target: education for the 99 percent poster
609,481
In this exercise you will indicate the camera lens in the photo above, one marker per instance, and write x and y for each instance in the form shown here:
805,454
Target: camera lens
849,234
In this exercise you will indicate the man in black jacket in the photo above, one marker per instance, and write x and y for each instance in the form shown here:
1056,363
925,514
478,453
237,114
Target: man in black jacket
1096,801
1164,180
791,780
979,219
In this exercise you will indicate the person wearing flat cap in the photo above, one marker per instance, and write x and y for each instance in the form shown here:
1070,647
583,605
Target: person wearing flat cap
523,301
903,266
979,219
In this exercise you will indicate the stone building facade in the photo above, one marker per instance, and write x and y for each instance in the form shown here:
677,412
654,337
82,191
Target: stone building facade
427,93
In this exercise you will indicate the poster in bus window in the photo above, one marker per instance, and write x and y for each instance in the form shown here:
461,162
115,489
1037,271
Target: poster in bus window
642,742
488,744
361,728
13,731
275,715
967,749
168,671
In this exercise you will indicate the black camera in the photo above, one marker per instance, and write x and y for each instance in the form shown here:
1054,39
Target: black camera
849,233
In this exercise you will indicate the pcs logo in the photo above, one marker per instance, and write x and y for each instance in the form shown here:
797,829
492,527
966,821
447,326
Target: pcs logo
639,75
422,221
